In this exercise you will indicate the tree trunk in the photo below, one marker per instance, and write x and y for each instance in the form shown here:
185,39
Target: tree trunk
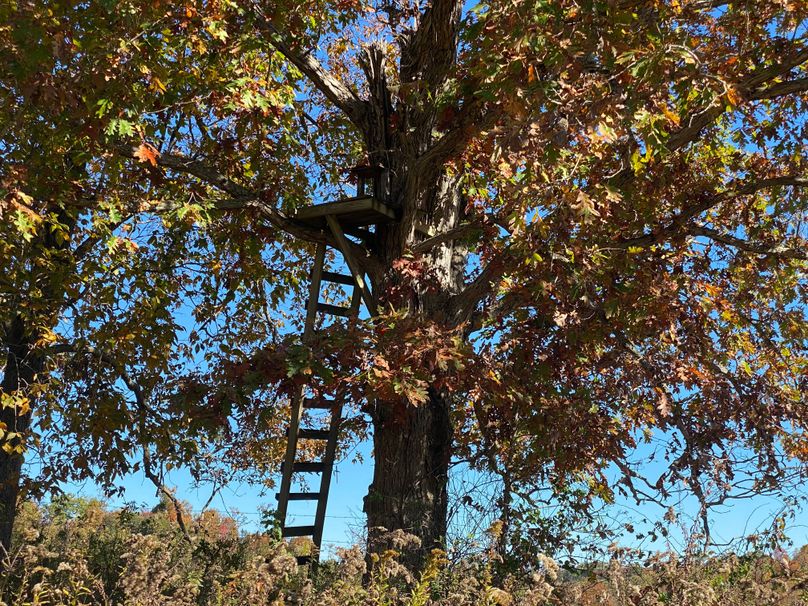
412,444
24,361
20,372
412,448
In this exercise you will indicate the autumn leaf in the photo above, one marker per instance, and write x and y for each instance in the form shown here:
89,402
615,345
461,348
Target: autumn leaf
733,96
147,153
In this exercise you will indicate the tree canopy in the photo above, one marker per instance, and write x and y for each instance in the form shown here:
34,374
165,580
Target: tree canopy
600,248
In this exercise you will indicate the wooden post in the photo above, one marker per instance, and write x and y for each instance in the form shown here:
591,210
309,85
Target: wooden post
352,265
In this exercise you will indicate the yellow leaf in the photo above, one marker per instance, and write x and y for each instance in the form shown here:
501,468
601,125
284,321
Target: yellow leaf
733,96
673,117
157,85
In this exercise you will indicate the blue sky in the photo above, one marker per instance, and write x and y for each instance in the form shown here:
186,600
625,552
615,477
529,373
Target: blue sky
345,519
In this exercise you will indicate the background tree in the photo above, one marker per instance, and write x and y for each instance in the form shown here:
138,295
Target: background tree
98,260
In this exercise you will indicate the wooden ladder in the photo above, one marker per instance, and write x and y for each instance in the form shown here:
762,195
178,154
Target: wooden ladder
302,400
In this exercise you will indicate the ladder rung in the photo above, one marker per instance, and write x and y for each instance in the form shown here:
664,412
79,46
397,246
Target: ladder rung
318,403
306,433
308,467
312,434
334,310
332,276
300,496
297,531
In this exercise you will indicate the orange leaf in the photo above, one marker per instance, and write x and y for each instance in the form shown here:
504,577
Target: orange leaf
147,153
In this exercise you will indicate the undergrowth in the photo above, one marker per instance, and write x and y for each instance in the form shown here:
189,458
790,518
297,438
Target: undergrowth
75,552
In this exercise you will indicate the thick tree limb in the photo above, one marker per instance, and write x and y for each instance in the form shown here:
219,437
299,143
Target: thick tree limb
767,74
778,90
749,88
470,122
457,233
200,170
431,51
334,90
464,303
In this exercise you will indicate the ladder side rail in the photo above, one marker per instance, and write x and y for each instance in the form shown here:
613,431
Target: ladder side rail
314,291
325,481
356,301
297,400
331,448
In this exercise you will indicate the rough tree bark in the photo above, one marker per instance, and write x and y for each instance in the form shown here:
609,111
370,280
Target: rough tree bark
412,450
412,444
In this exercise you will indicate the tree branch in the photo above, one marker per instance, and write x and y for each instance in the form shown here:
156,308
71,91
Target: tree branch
200,170
730,240
706,5
456,233
335,91
242,197
472,120
749,89
680,221
141,401
83,249
778,90
464,303
432,49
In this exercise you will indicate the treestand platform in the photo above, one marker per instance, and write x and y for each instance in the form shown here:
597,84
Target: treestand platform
359,211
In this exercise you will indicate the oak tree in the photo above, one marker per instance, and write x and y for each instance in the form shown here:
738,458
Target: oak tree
600,237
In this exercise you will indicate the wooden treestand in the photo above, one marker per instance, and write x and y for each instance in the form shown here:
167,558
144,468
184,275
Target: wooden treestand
353,216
